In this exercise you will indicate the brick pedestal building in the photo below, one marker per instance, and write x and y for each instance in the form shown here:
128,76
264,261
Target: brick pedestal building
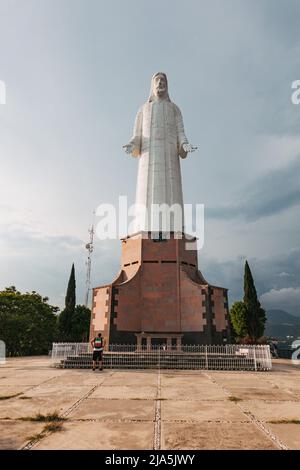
160,297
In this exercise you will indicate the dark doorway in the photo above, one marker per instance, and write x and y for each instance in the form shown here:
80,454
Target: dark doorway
158,341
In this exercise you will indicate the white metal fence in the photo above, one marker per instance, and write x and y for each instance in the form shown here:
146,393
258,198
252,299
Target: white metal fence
64,350
124,356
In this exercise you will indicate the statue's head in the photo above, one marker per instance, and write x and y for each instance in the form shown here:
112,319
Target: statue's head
159,87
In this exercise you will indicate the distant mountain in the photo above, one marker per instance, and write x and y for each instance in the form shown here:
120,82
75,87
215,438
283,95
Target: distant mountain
280,316
281,324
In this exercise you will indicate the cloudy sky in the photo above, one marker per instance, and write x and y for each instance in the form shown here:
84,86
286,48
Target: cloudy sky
76,71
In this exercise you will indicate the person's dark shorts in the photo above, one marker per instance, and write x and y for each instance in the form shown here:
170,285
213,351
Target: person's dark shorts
97,355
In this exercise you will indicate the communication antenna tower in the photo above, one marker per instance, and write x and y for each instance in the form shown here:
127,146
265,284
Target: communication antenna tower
90,248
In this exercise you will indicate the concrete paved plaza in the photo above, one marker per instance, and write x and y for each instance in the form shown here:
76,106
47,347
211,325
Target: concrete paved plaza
117,409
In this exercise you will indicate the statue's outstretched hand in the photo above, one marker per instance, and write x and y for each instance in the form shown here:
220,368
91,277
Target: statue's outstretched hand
189,148
128,148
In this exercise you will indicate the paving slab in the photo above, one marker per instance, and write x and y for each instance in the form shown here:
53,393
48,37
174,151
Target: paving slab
207,436
16,408
197,377
53,389
272,410
15,434
125,392
237,381
132,378
288,433
86,378
99,436
201,411
238,374
192,391
8,390
28,378
289,384
261,393
98,408
183,381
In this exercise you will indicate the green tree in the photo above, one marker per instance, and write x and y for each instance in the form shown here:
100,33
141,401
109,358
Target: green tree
256,314
27,322
239,319
65,319
81,324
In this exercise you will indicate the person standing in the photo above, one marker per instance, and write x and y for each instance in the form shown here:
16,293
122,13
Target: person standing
98,345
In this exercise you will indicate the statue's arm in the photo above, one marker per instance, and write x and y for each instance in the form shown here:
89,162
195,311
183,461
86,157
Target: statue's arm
134,145
181,137
183,144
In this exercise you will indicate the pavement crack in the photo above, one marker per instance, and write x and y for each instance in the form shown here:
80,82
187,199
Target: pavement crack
157,419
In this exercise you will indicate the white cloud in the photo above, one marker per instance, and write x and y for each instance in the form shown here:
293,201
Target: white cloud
287,299
34,260
276,151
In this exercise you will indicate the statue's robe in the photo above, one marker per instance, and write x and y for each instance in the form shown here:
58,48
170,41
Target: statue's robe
157,141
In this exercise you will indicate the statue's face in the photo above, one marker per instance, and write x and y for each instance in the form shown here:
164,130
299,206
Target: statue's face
160,86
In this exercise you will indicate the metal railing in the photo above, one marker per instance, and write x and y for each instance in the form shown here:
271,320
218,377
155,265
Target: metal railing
64,350
128,356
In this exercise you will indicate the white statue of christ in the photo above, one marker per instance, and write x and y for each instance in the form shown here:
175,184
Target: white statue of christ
159,141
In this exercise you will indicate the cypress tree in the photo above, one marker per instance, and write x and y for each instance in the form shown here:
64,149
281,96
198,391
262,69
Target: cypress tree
65,318
256,314
70,300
